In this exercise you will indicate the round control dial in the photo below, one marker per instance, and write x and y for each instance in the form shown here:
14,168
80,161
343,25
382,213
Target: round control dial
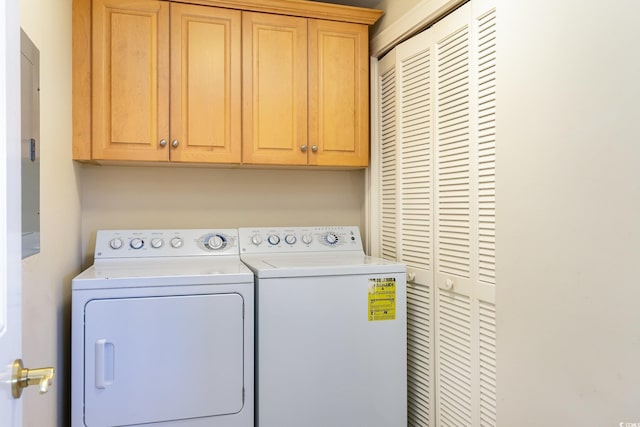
256,239
215,242
307,239
176,242
115,243
290,239
331,238
273,239
156,243
136,243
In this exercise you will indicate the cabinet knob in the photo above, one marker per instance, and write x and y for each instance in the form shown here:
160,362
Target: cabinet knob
163,143
314,148
175,143
303,148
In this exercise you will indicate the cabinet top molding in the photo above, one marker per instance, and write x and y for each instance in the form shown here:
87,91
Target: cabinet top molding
302,8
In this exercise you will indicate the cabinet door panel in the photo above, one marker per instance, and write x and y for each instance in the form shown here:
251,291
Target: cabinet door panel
205,84
274,89
130,86
338,93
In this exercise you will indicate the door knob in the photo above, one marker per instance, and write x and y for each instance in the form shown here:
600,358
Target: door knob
22,378
175,143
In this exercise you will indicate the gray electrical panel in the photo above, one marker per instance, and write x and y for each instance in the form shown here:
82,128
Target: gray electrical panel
30,145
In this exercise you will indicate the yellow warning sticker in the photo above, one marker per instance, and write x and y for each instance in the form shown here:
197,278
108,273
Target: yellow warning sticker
382,299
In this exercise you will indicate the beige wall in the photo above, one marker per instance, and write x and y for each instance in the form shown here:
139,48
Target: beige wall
568,203
47,276
393,10
178,197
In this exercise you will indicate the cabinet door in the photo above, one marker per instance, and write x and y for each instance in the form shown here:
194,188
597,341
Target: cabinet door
274,89
130,65
205,84
338,94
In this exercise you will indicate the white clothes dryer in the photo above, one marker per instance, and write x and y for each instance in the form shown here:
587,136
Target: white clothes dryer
330,329
163,331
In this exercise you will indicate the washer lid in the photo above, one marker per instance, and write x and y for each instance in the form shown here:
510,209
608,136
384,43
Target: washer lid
163,272
310,265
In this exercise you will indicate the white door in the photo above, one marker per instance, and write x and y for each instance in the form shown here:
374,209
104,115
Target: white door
10,237
127,353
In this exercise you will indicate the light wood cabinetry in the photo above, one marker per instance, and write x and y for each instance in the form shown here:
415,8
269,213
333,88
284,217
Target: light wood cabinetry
306,93
274,89
338,93
217,81
130,86
165,82
205,84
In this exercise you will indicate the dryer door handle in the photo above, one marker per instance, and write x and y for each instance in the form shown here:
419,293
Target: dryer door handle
104,363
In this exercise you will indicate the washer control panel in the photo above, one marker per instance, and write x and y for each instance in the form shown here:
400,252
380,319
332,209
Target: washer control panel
165,243
299,239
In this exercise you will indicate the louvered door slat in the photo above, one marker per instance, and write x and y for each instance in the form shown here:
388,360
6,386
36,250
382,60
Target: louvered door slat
486,146
415,220
388,166
452,155
419,355
453,240
487,324
485,27
454,359
415,124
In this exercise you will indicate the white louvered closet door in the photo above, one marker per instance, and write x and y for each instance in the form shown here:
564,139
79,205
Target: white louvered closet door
406,205
436,176
414,225
465,217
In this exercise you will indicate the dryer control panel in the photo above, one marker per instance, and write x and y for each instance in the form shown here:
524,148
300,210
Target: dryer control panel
300,239
165,243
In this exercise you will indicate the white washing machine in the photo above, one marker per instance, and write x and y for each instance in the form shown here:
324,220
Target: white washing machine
163,331
330,329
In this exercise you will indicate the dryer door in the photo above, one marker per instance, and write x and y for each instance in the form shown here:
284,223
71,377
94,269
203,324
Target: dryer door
155,359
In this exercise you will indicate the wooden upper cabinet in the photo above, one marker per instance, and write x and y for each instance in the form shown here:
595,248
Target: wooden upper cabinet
306,92
130,87
205,84
338,93
166,82
283,82
274,89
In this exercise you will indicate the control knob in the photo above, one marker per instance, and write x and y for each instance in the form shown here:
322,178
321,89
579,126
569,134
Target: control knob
256,239
290,239
215,242
115,243
307,239
176,242
273,239
136,243
156,243
331,238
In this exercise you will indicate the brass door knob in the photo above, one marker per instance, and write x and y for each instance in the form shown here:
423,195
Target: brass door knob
22,378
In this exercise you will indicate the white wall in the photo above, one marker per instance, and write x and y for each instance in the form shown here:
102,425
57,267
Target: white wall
47,276
178,197
568,210
393,11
